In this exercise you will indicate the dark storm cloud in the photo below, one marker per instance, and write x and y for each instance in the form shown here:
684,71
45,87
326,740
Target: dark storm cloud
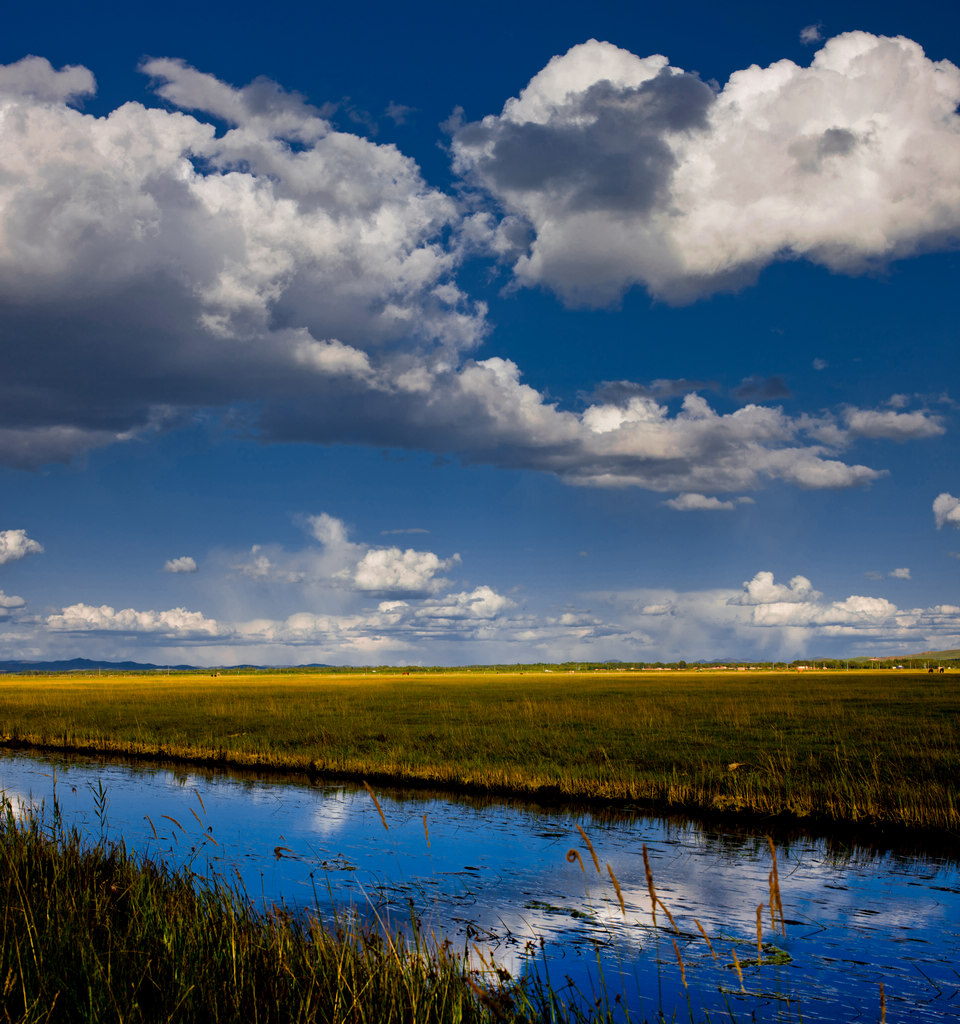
607,153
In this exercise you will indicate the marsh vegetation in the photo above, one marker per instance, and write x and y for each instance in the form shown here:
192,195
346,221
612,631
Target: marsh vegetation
864,747
513,888
93,934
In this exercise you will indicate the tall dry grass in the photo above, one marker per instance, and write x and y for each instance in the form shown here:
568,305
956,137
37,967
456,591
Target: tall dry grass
841,747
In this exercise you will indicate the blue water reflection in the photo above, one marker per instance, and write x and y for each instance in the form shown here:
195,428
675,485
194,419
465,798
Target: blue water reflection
497,878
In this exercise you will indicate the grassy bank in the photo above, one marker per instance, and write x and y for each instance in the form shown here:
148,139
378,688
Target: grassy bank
843,747
93,935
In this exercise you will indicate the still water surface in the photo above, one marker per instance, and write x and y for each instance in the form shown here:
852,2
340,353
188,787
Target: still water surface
497,877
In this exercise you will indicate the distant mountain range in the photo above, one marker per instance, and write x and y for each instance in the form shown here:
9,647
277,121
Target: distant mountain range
85,665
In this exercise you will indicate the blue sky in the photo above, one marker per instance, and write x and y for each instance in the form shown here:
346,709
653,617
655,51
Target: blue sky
421,335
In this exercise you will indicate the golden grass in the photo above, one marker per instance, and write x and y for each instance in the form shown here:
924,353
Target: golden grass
736,963
618,891
706,939
875,747
650,886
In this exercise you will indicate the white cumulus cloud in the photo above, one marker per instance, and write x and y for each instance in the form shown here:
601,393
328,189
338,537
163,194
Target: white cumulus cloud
854,611
640,442
946,510
408,571
701,502
174,623
481,603
762,590
279,260
895,426
182,564
770,620
630,171
9,601
15,544
341,563
35,77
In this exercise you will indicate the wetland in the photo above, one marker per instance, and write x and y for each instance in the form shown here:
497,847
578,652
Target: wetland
541,885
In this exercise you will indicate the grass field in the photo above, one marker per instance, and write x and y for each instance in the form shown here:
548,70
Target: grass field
868,747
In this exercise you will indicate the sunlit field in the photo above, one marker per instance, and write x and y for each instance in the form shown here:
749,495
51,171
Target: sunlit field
865,747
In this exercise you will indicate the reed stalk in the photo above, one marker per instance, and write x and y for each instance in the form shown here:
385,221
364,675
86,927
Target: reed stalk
376,803
759,934
650,886
706,938
616,886
736,963
683,973
776,902
593,852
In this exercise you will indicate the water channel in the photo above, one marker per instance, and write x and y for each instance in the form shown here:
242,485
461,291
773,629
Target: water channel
496,879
